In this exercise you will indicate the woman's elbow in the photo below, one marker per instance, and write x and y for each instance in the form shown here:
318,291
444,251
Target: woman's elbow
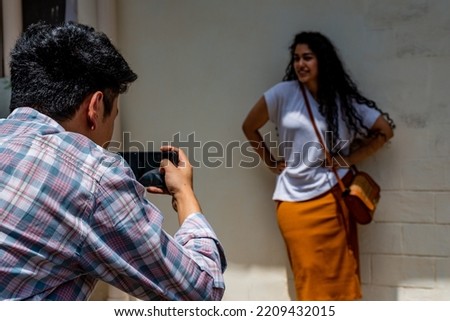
388,134
248,129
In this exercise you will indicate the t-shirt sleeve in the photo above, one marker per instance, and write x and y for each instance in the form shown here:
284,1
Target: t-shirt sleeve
273,101
368,115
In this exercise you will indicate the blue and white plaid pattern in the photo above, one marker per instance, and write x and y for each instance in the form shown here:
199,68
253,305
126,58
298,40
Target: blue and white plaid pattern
71,214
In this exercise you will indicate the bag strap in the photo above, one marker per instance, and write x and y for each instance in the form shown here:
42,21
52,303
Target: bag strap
319,136
329,159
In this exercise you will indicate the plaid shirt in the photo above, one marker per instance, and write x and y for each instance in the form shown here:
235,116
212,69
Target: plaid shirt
71,213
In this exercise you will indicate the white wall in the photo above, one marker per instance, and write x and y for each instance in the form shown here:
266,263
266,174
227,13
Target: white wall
204,63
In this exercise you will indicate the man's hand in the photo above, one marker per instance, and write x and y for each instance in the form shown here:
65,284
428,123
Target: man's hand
179,182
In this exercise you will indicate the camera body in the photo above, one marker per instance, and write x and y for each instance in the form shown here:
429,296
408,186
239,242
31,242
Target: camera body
145,166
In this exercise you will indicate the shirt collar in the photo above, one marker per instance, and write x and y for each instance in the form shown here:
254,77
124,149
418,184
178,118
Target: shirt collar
30,114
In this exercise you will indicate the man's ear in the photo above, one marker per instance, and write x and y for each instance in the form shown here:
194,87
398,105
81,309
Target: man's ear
95,104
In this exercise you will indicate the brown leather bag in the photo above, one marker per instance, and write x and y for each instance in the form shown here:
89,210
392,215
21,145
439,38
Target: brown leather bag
362,195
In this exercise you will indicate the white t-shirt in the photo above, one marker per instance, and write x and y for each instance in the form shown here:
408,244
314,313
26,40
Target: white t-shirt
304,178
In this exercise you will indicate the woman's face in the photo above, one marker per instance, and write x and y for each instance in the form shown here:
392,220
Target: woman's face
306,65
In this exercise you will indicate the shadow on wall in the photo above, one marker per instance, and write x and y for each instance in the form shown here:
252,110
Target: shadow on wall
5,96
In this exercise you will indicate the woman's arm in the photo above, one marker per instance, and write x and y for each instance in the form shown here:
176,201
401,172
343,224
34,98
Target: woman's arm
385,133
257,118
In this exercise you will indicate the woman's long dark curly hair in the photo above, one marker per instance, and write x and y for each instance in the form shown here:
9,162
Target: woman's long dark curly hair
333,83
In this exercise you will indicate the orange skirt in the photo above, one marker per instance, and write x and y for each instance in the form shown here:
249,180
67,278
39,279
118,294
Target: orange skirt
322,245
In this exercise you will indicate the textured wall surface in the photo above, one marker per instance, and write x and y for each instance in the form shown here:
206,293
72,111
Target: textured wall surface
204,63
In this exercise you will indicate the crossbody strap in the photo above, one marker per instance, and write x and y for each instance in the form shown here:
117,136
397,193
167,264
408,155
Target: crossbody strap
328,157
319,136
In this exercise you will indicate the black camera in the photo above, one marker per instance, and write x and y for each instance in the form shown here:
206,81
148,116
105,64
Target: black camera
145,166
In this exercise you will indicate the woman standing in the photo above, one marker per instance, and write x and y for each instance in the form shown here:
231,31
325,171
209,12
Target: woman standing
320,236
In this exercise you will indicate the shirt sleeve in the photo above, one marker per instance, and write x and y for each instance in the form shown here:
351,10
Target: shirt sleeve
272,101
368,115
127,247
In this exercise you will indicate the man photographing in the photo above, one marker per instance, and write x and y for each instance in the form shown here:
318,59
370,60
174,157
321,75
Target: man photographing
72,213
